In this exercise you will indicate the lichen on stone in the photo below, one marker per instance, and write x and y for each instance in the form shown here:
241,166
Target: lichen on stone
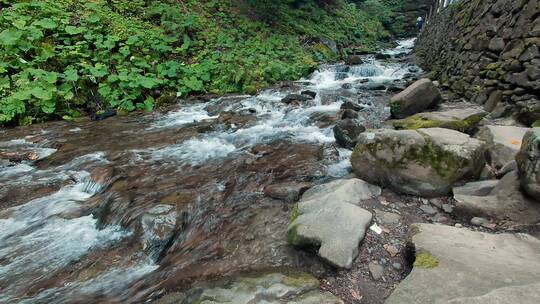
426,260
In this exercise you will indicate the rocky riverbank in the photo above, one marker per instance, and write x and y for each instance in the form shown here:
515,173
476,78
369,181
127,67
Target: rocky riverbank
359,184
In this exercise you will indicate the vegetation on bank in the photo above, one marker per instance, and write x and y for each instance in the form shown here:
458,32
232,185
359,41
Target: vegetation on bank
66,58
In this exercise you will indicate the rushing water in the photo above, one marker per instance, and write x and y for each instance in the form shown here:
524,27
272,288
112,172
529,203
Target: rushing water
128,208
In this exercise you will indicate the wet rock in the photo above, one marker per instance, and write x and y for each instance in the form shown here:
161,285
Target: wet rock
349,114
347,131
376,271
380,56
347,86
373,86
295,98
354,60
301,288
235,120
289,192
324,119
329,216
425,162
503,143
419,96
528,163
310,94
395,89
104,115
460,119
158,226
505,201
461,266
349,105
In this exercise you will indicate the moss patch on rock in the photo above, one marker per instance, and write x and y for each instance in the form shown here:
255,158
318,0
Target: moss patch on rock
426,260
420,121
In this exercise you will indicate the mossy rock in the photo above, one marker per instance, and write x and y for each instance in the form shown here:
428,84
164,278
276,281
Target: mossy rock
426,260
463,120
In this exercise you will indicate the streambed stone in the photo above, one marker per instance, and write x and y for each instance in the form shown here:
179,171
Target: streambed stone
424,162
273,288
329,216
460,266
419,96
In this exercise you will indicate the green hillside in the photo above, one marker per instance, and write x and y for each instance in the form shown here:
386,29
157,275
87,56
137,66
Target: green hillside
66,58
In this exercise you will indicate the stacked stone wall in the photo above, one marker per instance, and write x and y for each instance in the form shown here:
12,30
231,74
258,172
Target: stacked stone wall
488,52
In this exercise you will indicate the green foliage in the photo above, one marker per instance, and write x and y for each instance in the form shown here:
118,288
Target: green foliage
63,58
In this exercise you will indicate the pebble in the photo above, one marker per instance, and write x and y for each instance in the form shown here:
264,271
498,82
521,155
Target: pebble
397,266
458,225
392,250
479,221
376,270
428,209
448,208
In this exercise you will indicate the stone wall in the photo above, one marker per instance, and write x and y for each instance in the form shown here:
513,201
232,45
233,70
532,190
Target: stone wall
487,52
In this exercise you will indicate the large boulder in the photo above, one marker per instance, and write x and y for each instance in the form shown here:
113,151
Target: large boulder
424,162
503,143
459,119
528,162
419,96
328,216
461,266
500,200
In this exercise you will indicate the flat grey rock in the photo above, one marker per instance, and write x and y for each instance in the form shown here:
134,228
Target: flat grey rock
329,216
459,266
504,202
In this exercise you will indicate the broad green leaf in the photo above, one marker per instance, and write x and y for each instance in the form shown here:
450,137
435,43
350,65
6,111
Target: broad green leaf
74,30
10,37
71,75
94,18
41,93
147,82
46,23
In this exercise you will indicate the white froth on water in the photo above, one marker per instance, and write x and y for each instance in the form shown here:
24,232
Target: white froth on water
46,234
343,166
404,47
195,151
113,282
183,116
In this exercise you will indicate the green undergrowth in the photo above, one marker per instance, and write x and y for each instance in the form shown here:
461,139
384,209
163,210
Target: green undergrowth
67,58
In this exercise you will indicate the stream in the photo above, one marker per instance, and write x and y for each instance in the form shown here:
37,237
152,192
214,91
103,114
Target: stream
131,207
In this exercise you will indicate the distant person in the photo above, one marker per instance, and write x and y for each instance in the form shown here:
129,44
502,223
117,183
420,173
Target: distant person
419,23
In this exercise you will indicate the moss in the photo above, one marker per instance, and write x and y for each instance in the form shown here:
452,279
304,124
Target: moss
292,233
445,163
536,124
299,280
395,108
493,66
426,260
419,121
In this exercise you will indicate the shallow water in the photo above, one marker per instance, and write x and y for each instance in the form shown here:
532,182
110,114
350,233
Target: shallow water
129,208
